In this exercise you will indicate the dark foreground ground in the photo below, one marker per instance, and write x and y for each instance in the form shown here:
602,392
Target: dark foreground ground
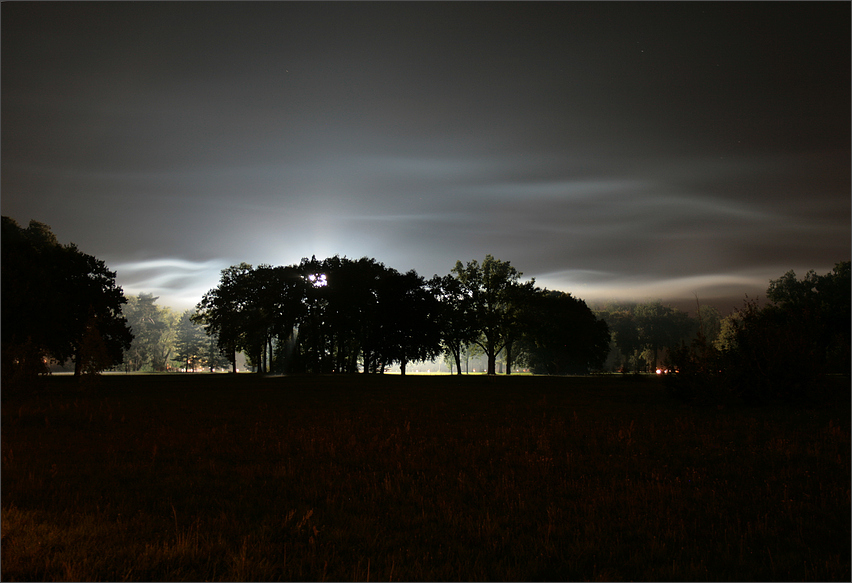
216,477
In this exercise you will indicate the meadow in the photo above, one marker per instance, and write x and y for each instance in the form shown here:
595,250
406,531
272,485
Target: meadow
238,477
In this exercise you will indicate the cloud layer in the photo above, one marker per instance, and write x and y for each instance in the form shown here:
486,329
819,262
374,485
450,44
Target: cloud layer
611,150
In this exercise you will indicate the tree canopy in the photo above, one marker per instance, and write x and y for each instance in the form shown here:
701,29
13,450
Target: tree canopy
494,298
323,316
642,335
778,351
344,315
153,330
58,303
562,335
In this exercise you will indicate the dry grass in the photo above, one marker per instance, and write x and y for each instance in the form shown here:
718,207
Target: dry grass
202,477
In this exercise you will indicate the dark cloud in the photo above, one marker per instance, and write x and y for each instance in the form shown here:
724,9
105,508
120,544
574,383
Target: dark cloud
609,149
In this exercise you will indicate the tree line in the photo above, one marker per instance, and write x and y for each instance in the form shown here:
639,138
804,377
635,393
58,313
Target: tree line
644,334
642,337
346,315
60,305
343,315
320,316
165,340
779,351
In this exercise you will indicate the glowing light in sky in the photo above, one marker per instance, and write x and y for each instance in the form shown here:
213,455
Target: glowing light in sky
419,145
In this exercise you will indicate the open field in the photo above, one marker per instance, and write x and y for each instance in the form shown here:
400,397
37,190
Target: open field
223,477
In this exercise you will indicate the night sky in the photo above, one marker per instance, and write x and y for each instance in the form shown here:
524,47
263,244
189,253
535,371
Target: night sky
613,150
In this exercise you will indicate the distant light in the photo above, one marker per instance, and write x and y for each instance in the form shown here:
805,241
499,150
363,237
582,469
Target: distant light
318,280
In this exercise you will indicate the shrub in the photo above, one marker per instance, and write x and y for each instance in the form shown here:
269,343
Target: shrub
698,376
771,354
774,356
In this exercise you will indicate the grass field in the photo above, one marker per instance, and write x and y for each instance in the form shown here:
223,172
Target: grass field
223,477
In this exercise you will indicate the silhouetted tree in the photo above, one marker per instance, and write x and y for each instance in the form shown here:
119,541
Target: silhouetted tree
821,305
283,297
58,303
770,356
455,316
352,312
781,350
314,333
625,332
562,335
490,288
222,309
408,319
272,309
778,351
661,327
362,310
709,323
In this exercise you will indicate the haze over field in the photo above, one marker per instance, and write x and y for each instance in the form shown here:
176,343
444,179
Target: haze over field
648,150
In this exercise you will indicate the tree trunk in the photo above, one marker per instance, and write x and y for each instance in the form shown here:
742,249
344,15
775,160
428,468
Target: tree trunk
492,363
457,355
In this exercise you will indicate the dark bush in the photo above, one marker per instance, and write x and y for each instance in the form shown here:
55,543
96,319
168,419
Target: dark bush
697,375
